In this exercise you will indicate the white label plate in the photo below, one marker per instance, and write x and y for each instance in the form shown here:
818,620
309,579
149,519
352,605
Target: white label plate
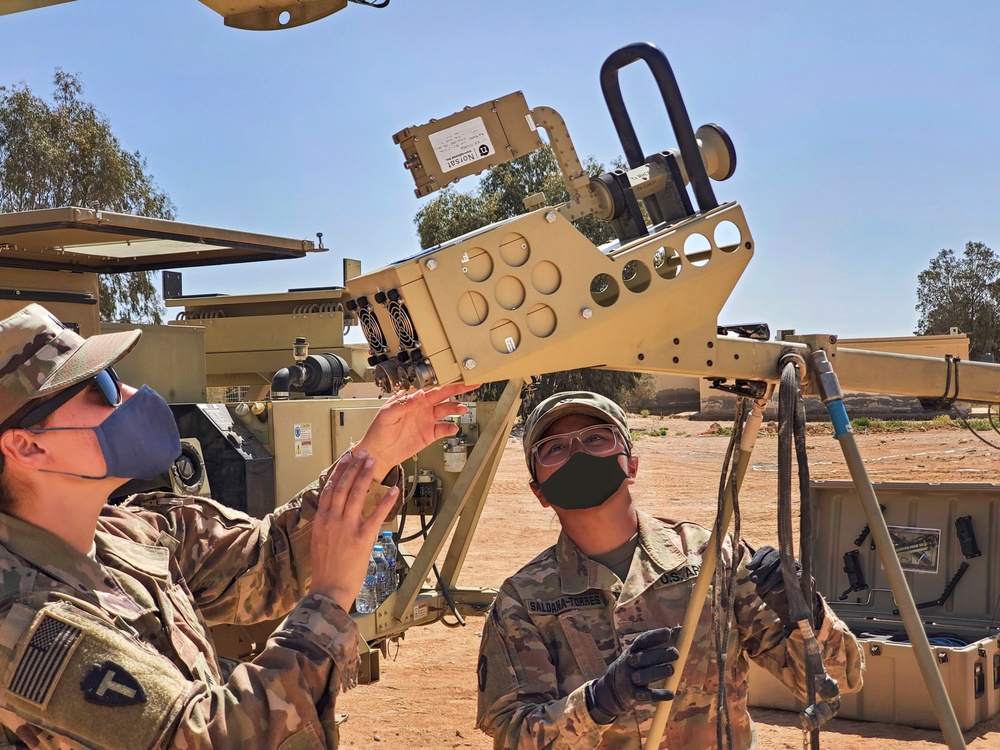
461,144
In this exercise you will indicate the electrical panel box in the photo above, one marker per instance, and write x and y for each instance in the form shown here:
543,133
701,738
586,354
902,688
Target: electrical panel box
307,435
947,538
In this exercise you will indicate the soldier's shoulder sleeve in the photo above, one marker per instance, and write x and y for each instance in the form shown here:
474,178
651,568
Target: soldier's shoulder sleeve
70,673
172,509
692,537
498,670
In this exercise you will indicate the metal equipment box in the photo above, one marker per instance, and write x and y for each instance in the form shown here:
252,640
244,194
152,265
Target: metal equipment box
947,537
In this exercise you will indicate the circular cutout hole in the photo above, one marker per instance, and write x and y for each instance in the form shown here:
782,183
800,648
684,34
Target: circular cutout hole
477,264
514,250
545,277
727,236
472,308
697,249
541,321
505,336
667,262
604,290
635,276
509,293
284,17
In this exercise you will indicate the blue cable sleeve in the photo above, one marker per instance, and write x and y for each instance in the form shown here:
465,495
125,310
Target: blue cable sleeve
838,415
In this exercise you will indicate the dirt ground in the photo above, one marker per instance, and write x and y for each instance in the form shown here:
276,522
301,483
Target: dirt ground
426,697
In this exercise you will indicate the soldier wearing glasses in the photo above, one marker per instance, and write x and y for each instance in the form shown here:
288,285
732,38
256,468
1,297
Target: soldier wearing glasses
579,642
105,610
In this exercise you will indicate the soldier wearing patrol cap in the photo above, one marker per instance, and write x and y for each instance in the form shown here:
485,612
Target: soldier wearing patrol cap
579,641
105,610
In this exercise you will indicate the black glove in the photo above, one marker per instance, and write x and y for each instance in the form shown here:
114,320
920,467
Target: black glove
626,682
765,567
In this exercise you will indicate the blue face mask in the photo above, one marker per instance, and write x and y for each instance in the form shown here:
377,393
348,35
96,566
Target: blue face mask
139,439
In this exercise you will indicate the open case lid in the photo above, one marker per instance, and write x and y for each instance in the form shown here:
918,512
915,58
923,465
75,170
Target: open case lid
936,529
82,239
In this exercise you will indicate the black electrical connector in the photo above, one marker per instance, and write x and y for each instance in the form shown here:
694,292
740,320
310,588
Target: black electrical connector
967,537
855,574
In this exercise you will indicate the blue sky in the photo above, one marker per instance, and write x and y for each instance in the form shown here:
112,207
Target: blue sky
866,133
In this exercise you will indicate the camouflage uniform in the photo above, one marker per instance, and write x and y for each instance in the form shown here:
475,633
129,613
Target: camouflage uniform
563,618
115,651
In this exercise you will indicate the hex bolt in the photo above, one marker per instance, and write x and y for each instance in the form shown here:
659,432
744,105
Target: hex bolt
550,216
431,264
586,313
469,363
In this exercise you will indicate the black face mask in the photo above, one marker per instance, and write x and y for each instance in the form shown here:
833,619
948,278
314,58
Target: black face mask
585,481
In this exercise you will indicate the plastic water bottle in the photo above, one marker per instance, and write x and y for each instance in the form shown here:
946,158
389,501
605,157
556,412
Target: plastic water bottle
367,600
381,573
389,550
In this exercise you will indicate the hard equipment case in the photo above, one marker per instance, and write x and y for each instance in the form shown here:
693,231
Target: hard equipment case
947,537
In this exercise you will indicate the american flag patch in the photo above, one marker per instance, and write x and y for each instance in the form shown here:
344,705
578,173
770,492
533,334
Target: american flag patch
51,645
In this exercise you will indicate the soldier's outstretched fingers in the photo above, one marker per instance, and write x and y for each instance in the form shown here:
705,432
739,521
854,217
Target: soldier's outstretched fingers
341,542
354,492
344,475
409,422
441,393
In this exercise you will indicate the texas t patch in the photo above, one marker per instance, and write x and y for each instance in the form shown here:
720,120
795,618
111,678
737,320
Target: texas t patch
110,684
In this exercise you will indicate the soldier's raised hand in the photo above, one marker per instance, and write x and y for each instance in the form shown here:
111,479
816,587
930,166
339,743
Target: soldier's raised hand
410,421
342,536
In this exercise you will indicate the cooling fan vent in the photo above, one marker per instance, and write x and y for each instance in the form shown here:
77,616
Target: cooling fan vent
402,324
372,331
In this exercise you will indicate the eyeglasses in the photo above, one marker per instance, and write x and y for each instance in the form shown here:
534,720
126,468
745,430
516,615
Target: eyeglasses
105,382
597,440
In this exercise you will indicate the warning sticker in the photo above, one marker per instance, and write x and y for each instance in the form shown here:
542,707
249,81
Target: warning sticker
510,344
303,439
461,144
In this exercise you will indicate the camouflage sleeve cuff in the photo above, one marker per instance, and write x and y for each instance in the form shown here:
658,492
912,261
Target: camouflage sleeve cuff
325,624
579,715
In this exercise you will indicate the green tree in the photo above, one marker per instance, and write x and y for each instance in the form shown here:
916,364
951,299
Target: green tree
963,292
500,195
64,153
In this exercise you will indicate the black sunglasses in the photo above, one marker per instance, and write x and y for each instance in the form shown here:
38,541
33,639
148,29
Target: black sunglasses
107,384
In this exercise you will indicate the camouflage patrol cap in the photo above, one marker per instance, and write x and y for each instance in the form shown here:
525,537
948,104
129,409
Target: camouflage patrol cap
38,357
564,404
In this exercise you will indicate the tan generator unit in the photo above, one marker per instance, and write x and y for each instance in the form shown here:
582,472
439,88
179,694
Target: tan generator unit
947,539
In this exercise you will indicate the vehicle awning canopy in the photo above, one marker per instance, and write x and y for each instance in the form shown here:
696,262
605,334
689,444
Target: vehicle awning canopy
81,239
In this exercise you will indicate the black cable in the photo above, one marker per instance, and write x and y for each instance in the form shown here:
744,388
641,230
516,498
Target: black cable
425,526
402,523
805,533
970,428
460,622
989,415
823,693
